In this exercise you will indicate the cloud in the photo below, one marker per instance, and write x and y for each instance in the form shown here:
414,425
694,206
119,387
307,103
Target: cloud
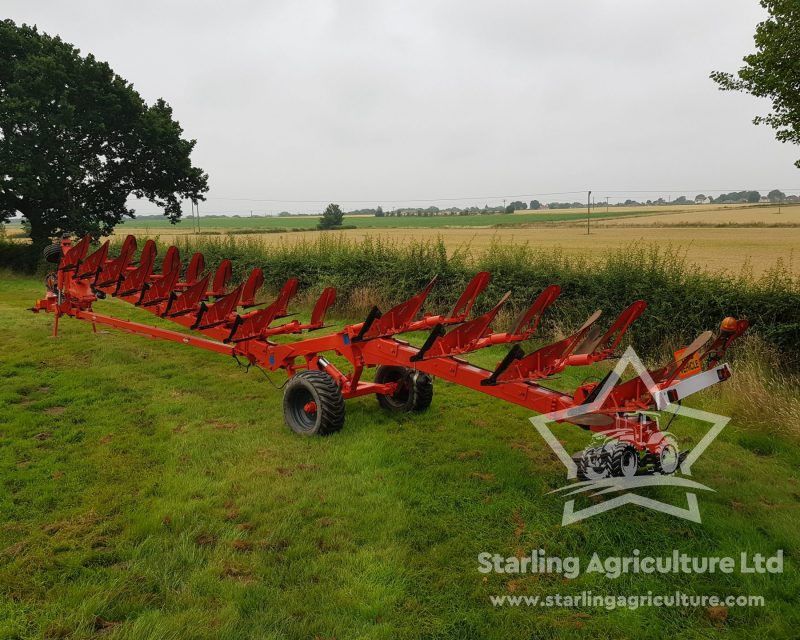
325,100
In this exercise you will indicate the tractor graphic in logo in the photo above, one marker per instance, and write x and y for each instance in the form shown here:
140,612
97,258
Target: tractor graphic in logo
616,452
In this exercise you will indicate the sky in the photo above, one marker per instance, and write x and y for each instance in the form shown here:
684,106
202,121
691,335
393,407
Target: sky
409,103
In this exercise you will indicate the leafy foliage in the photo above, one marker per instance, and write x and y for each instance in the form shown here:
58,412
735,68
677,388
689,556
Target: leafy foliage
332,217
774,70
76,140
739,196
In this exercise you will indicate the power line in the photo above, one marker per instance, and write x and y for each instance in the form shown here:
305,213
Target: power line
494,197
449,199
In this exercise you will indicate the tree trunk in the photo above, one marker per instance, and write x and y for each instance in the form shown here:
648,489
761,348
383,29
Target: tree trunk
40,236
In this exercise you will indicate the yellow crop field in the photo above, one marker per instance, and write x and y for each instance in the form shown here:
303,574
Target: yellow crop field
714,214
754,243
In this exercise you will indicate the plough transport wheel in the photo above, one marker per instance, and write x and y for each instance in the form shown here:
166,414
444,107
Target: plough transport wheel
414,389
313,404
52,254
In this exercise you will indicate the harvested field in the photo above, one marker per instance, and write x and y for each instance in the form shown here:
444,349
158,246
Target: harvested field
714,249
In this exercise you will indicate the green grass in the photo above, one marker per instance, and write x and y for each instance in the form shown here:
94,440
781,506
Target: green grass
386,222
152,491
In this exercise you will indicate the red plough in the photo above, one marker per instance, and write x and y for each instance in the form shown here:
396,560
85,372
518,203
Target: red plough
229,323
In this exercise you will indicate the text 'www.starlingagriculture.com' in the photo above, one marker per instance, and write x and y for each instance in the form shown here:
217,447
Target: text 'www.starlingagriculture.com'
589,599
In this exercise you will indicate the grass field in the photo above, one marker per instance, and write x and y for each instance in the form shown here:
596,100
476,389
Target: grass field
152,491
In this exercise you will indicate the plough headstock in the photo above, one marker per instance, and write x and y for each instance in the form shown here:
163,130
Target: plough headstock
206,304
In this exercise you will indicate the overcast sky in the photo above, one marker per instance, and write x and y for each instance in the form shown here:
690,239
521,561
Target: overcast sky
383,102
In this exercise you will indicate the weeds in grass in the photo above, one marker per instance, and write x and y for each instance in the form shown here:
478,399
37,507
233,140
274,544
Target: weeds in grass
762,393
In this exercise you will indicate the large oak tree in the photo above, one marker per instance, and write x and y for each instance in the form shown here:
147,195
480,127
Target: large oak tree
76,141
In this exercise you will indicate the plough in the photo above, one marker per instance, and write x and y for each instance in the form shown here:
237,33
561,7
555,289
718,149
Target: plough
229,320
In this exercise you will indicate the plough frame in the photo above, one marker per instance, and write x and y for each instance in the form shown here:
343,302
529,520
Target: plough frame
82,279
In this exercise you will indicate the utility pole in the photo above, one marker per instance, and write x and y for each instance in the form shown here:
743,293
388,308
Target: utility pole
588,210
606,204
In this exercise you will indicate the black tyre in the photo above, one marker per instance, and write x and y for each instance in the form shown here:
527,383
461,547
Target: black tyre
414,389
52,253
313,404
624,461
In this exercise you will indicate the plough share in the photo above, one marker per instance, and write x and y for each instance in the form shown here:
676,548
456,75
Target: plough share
229,320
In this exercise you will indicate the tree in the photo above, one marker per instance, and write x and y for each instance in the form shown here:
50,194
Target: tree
76,141
738,196
776,195
379,212
535,205
516,206
699,198
331,217
773,71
